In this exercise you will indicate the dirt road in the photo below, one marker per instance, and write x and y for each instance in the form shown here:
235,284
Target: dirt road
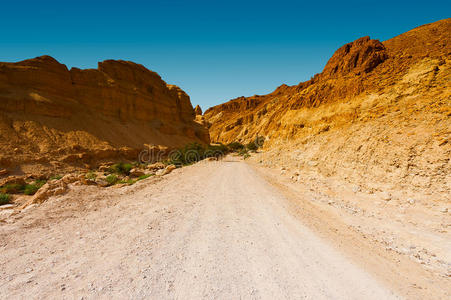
215,230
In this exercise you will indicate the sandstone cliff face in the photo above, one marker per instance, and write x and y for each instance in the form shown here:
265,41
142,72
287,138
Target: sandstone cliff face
52,116
378,112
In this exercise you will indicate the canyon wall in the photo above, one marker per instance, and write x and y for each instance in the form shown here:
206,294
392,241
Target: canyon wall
52,117
378,115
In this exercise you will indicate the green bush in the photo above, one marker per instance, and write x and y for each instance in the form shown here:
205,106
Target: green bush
252,146
235,146
121,168
194,152
4,199
27,189
12,188
255,144
187,155
216,151
111,179
145,176
243,152
128,181
91,175
31,189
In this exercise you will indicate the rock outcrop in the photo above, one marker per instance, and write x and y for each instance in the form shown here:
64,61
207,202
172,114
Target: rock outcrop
198,110
362,55
51,117
379,112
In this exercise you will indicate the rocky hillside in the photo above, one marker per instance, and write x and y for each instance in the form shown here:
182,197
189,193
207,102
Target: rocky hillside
53,118
378,115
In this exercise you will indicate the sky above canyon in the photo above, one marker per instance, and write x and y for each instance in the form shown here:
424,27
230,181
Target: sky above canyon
214,50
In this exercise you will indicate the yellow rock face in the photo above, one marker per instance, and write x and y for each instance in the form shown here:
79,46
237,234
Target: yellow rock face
379,112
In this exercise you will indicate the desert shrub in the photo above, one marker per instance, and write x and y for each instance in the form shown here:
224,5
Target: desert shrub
145,176
252,146
111,179
215,151
27,189
194,152
255,144
127,181
235,146
243,151
187,155
4,199
91,175
31,189
121,168
219,148
259,141
12,188
133,181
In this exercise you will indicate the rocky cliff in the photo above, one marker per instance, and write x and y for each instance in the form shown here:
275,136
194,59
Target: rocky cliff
378,115
51,117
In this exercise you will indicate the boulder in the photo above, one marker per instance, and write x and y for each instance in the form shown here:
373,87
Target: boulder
51,188
70,178
13,180
82,178
170,168
156,166
101,182
135,172
104,168
40,176
166,170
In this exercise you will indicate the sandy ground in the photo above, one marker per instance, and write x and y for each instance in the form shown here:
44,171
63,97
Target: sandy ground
213,230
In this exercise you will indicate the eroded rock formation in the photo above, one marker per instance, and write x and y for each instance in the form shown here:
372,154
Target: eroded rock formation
51,116
198,110
379,112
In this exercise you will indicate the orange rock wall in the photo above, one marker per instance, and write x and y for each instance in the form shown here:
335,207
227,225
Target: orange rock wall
47,111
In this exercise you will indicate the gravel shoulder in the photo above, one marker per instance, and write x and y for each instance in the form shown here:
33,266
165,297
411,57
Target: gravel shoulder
406,245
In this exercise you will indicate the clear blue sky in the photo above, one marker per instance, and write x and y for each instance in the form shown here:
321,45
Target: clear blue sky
214,50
